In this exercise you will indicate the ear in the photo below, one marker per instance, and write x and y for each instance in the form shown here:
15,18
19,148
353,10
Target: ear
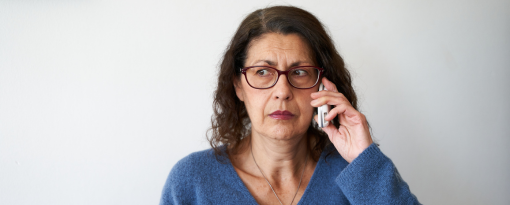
239,88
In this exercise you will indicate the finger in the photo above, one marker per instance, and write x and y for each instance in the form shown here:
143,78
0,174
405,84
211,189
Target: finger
331,131
337,111
330,100
319,94
329,85
347,115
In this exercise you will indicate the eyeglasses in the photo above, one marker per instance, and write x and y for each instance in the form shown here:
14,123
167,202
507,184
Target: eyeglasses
263,77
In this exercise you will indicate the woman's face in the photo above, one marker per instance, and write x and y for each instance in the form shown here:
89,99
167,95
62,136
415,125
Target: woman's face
265,106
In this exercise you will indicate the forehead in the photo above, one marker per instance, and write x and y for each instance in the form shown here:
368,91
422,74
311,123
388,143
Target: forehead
279,47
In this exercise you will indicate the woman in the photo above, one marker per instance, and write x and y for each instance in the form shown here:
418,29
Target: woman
266,147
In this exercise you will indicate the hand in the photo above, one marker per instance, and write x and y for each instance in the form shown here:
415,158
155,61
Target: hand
353,135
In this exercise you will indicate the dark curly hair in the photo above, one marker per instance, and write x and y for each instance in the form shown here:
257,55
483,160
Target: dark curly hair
230,122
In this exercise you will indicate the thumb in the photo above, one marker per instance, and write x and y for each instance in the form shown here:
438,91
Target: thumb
330,130
329,85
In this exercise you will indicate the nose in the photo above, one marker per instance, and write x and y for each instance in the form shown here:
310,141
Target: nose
282,90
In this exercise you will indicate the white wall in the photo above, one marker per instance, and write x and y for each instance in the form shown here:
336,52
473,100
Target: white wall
92,93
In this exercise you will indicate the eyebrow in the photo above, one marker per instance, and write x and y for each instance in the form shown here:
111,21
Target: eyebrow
271,63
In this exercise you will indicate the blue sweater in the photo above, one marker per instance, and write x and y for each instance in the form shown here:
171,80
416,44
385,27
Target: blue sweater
370,179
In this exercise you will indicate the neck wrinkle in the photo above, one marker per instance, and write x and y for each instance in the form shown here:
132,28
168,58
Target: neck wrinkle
280,160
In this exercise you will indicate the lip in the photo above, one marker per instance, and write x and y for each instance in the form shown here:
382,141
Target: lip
281,115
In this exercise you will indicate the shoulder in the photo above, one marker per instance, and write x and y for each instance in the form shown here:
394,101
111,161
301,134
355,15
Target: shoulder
197,166
194,163
190,175
322,185
329,166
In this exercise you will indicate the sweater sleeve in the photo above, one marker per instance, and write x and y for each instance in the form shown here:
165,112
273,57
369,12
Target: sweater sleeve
179,187
372,178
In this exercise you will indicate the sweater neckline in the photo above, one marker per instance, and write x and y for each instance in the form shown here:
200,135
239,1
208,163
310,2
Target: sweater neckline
242,187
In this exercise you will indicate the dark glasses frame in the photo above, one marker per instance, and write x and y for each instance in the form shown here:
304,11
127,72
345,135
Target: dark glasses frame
321,70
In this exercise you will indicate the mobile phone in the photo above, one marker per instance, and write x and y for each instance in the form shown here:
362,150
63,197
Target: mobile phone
322,111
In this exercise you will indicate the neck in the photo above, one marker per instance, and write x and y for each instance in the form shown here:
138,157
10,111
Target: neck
279,159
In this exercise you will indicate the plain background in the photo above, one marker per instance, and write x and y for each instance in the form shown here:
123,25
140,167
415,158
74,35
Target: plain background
99,99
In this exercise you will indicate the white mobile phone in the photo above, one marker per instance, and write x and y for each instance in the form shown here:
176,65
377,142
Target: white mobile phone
322,111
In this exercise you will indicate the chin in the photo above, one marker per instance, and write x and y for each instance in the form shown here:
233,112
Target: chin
284,133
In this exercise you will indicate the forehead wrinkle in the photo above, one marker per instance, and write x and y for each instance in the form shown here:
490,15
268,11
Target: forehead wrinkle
288,62
275,50
302,57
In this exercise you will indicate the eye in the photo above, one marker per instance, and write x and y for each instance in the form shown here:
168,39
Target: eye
299,72
262,72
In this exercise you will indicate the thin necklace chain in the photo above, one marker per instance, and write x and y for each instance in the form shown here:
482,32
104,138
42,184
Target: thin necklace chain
302,173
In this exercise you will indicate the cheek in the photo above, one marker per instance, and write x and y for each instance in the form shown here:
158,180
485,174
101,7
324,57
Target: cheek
255,103
307,110
305,107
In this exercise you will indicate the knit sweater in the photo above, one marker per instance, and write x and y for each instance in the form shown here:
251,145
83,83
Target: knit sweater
371,178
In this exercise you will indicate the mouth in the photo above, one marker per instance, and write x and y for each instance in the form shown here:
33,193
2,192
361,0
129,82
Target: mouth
281,115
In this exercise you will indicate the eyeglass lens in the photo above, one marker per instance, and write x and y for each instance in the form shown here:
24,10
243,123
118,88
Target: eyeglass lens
264,77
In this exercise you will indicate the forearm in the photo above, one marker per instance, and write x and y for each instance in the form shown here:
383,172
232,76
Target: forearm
372,178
